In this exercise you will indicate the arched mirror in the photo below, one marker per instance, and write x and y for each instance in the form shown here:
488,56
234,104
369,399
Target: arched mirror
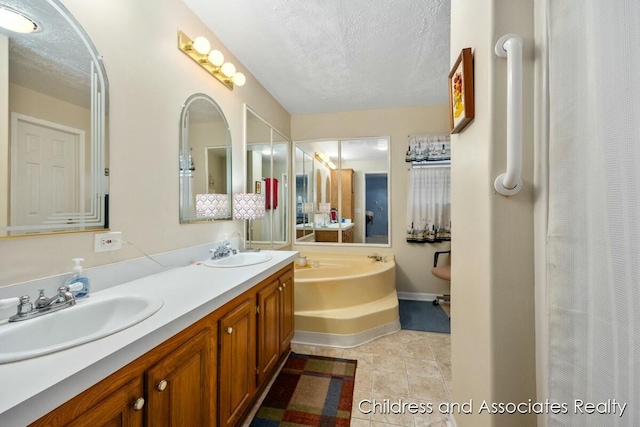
205,161
327,189
268,173
319,195
53,114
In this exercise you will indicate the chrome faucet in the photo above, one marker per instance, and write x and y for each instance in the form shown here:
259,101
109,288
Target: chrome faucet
377,258
222,251
64,296
43,304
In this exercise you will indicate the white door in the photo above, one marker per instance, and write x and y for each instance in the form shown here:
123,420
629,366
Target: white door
47,165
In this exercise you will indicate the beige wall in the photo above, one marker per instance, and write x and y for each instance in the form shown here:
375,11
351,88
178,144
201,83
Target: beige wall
202,136
398,124
149,79
35,104
492,273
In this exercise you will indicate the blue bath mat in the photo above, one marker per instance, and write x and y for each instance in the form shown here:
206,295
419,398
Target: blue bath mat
423,316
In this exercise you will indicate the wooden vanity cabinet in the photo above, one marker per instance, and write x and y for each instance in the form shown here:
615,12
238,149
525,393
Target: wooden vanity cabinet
207,375
347,188
287,313
184,361
271,314
237,361
268,328
178,387
332,235
116,410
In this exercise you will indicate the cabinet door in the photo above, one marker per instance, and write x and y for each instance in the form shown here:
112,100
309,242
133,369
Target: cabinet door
347,193
124,408
237,361
179,386
287,328
347,190
268,329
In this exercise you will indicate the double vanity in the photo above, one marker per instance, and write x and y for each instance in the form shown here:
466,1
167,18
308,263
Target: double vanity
201,358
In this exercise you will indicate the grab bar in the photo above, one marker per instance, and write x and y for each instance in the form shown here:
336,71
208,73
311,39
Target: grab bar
510,47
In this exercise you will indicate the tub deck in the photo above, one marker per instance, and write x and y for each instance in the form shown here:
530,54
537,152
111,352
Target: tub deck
349,300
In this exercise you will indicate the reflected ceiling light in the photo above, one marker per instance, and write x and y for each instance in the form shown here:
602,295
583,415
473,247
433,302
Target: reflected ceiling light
17,22
324,159
211,60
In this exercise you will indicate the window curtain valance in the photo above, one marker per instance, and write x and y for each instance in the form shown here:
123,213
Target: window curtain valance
429,205
428,148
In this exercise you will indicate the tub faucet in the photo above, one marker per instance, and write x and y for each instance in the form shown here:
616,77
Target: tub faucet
222,251
378,258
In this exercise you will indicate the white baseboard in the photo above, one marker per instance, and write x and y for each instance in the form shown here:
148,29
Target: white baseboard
344,340
416,296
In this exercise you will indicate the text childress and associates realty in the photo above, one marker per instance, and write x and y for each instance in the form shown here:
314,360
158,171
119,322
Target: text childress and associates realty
578,406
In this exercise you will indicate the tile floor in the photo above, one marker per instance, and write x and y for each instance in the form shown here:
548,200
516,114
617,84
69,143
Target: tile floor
407,367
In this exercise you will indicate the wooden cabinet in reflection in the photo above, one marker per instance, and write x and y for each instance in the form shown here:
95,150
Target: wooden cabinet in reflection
347,185
332,235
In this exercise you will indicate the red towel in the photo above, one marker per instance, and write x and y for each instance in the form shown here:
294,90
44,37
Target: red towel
271,183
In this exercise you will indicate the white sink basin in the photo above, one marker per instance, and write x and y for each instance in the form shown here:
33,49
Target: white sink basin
239,260
87,321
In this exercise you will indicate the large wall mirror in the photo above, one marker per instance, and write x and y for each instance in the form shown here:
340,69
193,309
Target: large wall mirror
53,115
342,191
268,173
205,161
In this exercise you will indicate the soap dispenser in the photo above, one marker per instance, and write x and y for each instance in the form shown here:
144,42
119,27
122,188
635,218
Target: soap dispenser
78,278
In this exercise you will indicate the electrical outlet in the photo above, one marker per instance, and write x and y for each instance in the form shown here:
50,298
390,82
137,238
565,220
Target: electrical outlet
111,241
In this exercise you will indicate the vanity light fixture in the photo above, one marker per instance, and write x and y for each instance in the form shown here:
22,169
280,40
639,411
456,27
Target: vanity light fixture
17,22
324,209
307,208
324,159
211,60
212,205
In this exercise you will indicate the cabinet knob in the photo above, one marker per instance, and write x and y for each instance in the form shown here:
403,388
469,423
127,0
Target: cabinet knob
284,285
139,404
162,385
280,288
229,330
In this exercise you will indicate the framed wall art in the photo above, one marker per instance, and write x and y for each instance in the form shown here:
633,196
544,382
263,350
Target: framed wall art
461,105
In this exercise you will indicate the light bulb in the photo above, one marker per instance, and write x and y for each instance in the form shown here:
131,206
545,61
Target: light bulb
201,45
216,57
228,69
14,21
239,79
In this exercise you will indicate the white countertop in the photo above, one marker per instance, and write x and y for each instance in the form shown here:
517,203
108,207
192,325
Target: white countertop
33,387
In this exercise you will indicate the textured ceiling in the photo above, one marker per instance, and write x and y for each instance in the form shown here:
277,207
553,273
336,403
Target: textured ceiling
318,56
53,60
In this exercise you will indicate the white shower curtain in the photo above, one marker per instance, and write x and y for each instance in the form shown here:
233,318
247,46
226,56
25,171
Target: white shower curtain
593,236
429,205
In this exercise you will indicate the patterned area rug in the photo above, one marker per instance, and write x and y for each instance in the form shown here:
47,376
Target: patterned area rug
309,391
